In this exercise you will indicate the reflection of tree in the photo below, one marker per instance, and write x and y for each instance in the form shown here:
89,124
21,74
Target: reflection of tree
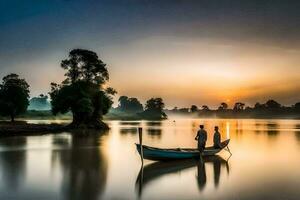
272,128
130,123
13,163
297,132
257,127
128,131
154,129
154,132
238,127
84,167
153,123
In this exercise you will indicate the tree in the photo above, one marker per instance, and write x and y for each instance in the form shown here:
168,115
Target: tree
259,106
82,91
238,106
194,108
154,109
131,105
297,106
223,106
272,105
205,108
14,95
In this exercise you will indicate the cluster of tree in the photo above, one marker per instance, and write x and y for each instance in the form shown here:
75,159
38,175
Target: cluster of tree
39,103
14,96
154,107
269,109
130,105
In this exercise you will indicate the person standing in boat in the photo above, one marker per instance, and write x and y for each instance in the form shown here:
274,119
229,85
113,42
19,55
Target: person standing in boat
217,138
201,138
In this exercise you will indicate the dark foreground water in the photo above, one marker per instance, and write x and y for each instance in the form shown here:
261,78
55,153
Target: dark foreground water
265,163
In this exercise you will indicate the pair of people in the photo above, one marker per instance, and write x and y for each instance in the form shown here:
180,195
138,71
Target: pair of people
202,138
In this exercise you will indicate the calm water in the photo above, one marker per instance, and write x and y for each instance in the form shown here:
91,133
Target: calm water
265,163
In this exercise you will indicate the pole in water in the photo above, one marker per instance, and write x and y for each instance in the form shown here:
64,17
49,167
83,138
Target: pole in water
141,143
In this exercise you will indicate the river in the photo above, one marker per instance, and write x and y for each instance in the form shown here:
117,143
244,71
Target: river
265,162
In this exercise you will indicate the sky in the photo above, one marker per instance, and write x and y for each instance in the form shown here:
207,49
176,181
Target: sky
185,51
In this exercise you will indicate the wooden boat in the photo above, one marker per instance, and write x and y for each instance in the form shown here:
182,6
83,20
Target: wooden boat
153,153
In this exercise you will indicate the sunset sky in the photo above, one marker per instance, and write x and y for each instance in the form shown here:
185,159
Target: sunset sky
185,51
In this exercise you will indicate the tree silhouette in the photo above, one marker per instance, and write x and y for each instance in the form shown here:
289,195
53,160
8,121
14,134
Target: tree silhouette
14,94
205,108
82,91
271,104
154,109
194,108
223,106
238,106
297,107
130,105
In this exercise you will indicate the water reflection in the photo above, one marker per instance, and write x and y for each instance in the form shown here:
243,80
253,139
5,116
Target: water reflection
272,128
125,131
154,133
297,132
13,164
158,170
83,165
153,123
131,123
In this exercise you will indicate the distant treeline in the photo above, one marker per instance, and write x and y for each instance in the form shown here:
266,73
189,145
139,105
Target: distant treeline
130,107
270,109
39,103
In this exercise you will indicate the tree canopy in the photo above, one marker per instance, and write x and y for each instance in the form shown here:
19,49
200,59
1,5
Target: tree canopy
130,105
154,109
14,96
82,92
194,108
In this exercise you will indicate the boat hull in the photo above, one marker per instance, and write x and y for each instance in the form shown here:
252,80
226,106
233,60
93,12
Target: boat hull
153,153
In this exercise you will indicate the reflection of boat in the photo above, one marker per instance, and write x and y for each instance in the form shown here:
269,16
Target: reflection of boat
153,153
157,170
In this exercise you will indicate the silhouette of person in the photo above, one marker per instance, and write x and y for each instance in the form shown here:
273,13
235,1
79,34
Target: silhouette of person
201,178
217,171
217,138
201,137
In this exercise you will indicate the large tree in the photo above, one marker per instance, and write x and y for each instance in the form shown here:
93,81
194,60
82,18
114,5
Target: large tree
14,95
82,92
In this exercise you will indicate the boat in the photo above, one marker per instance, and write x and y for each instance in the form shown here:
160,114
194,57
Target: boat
160,154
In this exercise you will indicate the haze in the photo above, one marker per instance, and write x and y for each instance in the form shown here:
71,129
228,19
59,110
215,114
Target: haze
187,52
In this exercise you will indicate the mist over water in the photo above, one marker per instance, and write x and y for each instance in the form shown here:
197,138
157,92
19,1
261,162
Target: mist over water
90,165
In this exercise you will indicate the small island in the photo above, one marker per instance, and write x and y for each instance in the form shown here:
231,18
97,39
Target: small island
83,97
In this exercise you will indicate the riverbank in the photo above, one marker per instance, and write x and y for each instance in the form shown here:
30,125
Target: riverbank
22,128
47,115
